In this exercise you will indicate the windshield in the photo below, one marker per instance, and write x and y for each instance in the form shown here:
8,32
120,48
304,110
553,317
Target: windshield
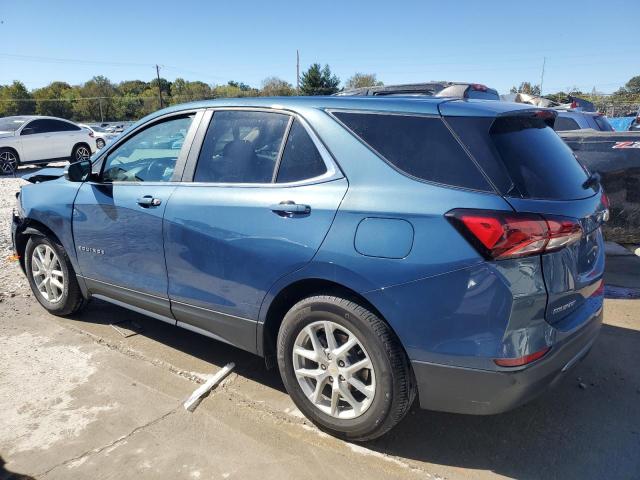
11,124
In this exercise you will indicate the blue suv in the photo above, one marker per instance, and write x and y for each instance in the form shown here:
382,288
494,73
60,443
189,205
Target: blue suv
374,248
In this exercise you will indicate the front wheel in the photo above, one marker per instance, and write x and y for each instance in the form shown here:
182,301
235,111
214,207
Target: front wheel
8,161
344,368
80,152
51,276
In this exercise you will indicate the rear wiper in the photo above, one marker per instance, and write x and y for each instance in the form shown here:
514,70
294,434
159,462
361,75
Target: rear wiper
593,181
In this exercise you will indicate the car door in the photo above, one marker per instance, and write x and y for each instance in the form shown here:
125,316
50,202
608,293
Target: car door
63,137
35,140
259,198
117,217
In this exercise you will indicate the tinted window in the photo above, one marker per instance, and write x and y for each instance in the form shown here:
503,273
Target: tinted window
241,147
540,164
423,147
59,126
603,123
150,155
301,159
37,126
563,123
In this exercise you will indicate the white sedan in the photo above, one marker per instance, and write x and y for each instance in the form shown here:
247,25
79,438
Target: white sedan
101,135
37,139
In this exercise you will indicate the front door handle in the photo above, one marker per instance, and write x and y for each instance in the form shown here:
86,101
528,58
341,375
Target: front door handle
289,209
149,201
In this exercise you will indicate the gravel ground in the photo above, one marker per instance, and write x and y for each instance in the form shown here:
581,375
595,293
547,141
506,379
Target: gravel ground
12,281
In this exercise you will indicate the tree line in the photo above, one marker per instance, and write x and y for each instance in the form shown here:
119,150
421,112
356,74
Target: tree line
99,99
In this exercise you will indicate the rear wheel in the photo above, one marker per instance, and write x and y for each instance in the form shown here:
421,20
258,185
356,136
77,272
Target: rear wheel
344,368
80,152
51,276
8,161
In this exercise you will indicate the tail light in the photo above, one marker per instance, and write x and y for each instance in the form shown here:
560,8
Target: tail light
518,362
91,134
498,235
605,203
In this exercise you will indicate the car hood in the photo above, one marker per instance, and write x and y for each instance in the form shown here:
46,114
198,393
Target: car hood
6,134
44,175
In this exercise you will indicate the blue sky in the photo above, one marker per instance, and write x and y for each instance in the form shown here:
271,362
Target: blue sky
586,43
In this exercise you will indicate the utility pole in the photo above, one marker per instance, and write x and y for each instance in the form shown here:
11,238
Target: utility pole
297,72
159,87
101,116
544,61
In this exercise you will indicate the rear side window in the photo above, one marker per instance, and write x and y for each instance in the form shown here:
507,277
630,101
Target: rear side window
603,123
540,164
422,147
563,123
301,159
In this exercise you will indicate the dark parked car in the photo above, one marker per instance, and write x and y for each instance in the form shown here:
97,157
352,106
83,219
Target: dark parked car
437,89
374,248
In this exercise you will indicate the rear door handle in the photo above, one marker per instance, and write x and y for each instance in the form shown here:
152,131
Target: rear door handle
149,201
288,209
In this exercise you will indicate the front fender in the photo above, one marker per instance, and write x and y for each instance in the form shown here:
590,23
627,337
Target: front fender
51,204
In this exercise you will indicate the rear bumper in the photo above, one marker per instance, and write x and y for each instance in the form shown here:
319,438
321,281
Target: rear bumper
486,392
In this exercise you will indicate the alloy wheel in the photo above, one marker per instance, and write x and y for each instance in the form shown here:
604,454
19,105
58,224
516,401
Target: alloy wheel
8,162
47,273
334,370
82,153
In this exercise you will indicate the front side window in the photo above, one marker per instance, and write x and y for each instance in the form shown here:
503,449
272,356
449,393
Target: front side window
35,127
148,156
300,159
241,147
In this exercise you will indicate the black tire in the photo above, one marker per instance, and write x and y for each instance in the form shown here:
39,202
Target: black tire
72,299
79,152
394,388
9,161
100,143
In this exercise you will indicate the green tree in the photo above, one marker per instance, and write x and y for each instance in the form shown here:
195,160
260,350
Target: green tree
526,87
185,91
233,90
360,80
15,99
56,99
318,81
633,85
276,87
96,101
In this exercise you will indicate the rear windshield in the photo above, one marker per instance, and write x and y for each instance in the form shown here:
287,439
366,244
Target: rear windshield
422,147
540,164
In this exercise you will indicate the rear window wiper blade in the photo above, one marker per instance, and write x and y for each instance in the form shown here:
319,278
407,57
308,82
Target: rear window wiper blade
593,181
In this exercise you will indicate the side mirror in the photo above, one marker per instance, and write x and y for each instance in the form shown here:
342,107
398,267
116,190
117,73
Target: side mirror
78,171
27,131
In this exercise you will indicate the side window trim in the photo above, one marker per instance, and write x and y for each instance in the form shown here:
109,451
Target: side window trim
333,170
182,156
285,138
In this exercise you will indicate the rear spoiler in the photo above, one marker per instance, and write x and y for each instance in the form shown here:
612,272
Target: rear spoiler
548,115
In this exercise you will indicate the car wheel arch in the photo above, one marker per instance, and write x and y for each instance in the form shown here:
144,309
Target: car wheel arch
291,294
31,228
12,149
